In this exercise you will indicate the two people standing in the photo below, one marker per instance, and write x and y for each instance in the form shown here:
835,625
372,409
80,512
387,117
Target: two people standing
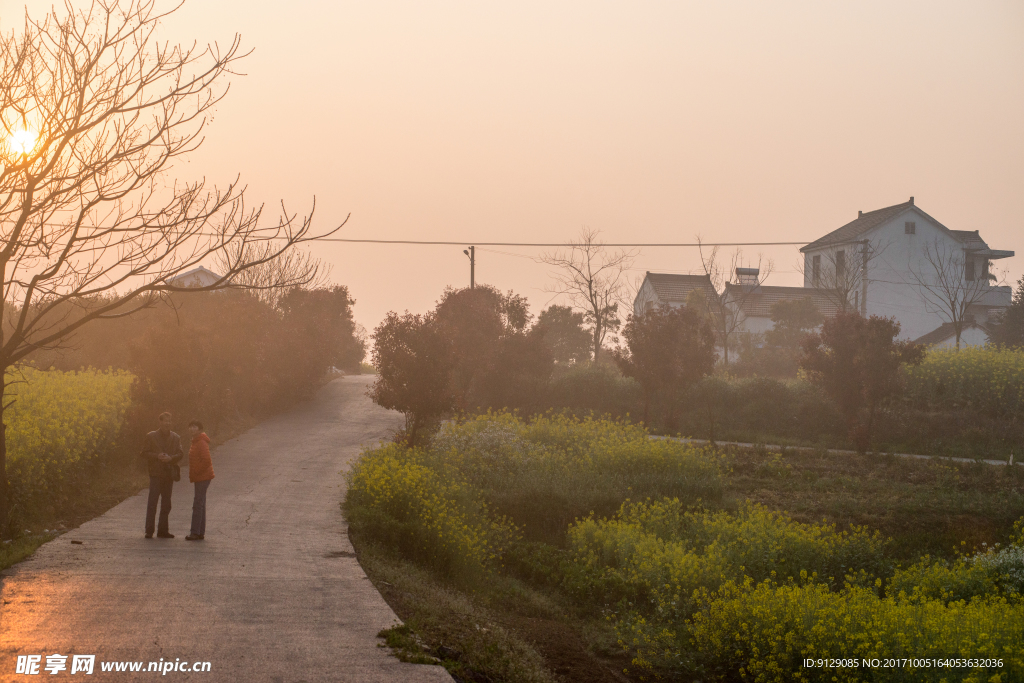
163,452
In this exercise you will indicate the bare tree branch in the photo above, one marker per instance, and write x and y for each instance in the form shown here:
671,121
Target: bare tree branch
841,271
949,284
726,309
594,280
94,111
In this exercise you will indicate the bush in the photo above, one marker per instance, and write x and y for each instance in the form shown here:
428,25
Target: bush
763,633
659,553
986,380
396,497
594,388
547,472
58,425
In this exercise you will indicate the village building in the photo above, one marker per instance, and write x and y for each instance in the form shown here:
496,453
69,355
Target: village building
197,277
896,262
900,262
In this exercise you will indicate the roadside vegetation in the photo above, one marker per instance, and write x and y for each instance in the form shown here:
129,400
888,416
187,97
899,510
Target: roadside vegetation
228,358
849,383
557,548
522,538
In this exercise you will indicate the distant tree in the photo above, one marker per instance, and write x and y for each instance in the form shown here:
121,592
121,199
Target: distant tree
476,322
517,374
791,321
414,361
320,328
668,350
594,280
856,361
726,313
561,330
949,284
776,352
1009,328
270,280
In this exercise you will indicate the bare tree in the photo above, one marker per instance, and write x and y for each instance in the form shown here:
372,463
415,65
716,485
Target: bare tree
594,280
726,310
268,281
93,113
840,271
950,284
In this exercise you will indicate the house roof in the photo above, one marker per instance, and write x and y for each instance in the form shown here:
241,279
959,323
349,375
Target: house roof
757,303
194,275
945,331
864,222
672,287
872,219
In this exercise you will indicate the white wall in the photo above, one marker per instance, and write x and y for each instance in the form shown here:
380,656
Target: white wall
971,336
892,289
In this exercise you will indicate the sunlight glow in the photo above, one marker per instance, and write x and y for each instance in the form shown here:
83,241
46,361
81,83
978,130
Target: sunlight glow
23,141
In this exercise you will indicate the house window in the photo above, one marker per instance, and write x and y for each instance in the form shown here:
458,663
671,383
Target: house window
816,270
969,270
840,266
910,228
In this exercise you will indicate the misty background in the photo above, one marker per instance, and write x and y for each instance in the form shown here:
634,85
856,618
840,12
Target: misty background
650,122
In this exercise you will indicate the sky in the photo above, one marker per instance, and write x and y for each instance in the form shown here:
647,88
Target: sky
648,121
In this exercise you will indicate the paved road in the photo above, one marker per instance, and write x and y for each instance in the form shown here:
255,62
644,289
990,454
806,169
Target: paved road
273,594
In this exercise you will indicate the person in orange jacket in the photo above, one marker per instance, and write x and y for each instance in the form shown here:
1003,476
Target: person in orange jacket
200,472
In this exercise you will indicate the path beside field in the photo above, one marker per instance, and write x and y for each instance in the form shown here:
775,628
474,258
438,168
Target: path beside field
832,451
273,594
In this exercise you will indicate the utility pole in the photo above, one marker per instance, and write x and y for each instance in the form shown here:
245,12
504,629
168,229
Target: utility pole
864,280
471,253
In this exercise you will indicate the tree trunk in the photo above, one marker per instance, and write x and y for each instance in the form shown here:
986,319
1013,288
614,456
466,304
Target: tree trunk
597,337
5,502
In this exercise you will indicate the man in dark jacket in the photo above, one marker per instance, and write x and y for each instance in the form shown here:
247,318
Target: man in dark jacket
162,451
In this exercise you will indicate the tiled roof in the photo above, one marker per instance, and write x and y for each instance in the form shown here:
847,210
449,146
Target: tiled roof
758,303
674,288
970,238
855,228
945,331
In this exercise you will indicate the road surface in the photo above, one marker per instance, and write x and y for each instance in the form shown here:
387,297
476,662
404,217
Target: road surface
273,594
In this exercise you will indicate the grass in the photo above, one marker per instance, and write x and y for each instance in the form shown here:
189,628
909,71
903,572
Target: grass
926,506
16,550
460,629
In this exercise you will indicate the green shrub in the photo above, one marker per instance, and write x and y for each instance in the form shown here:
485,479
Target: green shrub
658,551
987,380
929,580
396,497
763,633
550,470
595,388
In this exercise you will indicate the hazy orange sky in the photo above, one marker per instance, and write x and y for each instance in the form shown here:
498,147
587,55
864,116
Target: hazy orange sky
649,121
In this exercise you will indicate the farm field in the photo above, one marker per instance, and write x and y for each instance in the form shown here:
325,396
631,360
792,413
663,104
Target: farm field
565,550
65,459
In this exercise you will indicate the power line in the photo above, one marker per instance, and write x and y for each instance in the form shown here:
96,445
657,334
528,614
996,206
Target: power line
560,244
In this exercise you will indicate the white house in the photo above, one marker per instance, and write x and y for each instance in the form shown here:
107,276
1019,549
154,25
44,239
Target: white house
670,289
900,262
750,304
747,304
197,277
894,262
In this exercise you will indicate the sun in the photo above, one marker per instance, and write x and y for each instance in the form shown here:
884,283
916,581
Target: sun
23,141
